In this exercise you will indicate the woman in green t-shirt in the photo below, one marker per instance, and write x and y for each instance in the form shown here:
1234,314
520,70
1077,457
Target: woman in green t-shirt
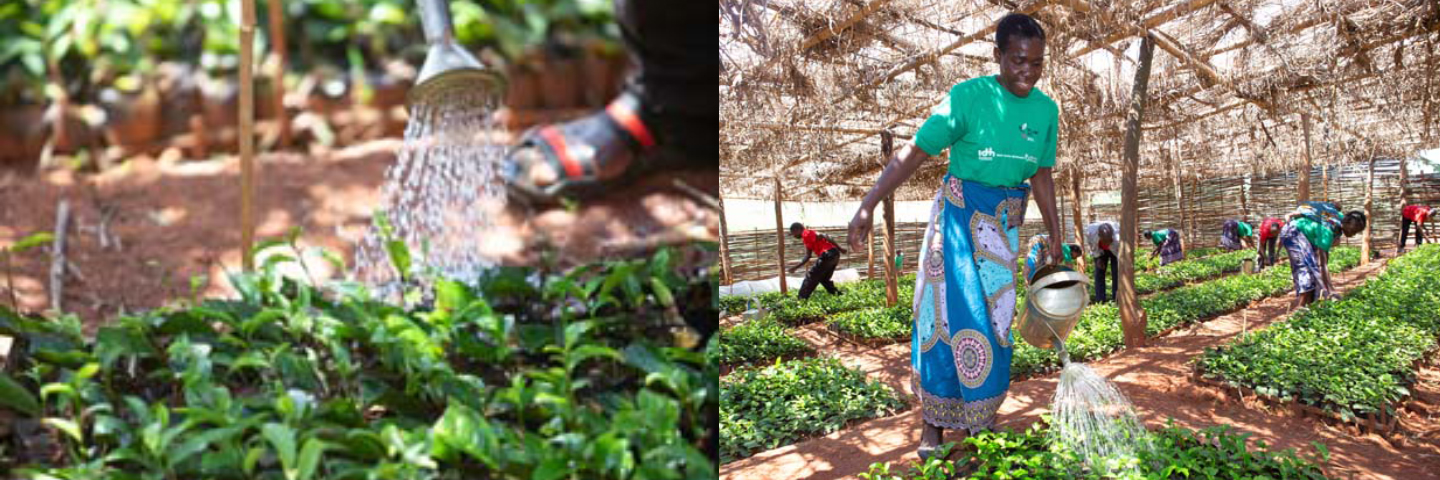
1168,245
1308,236
1000,131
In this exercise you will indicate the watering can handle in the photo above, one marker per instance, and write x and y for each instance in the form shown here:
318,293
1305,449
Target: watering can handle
1057,277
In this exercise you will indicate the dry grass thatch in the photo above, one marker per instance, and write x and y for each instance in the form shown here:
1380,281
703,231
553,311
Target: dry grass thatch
807,85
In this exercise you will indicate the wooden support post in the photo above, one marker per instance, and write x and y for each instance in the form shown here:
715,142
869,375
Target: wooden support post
247,133
780,237
1132,319
1303,188
870,257
1366,246
1075,174
892,275
725,262
1245,199
277,44
1179,196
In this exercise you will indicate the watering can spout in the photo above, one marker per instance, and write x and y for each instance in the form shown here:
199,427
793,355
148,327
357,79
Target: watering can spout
448,66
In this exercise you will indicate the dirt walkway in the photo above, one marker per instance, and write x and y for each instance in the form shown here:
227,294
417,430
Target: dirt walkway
170,220
1157,380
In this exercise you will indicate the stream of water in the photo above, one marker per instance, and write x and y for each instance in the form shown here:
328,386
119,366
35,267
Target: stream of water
1092,418
438,192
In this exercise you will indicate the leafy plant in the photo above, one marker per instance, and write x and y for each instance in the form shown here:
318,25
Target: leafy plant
783,403
761,340
527,374
1179,452
1351,357
892,323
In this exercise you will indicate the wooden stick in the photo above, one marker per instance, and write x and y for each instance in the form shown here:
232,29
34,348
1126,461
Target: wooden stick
725,261
780,237
1132,319
1365,244
1303,190
892,275
57,255
247,133
1075,174
277,44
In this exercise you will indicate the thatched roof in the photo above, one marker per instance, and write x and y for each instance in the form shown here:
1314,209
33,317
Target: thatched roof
807,85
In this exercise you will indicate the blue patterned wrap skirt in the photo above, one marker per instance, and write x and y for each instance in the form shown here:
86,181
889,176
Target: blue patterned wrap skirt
964,303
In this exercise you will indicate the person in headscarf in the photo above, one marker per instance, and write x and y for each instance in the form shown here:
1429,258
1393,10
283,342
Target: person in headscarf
1308,236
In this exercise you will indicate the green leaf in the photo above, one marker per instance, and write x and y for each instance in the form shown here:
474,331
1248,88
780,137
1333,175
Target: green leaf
553,468
662,293
66,425
17,397
32,241
282,439
310,458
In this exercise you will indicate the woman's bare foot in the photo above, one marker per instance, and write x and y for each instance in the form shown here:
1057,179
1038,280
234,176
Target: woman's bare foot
930,437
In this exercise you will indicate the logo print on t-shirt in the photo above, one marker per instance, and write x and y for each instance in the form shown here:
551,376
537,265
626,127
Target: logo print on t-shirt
986,154
1026,133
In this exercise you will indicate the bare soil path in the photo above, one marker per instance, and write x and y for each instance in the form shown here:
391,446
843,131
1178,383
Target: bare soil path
1156,378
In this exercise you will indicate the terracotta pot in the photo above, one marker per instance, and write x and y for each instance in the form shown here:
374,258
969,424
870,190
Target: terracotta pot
220,103
22,133
134,118
560,82
524,89
598,73
180,97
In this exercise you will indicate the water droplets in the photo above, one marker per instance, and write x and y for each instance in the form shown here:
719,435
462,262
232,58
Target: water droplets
439,193
1092,418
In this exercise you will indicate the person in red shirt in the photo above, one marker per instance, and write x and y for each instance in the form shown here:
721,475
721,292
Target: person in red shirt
1269,239
829,251
1418,215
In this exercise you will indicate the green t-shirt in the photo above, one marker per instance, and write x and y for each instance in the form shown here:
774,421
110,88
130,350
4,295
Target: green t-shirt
1244,229
994,137
1159,236
1318,233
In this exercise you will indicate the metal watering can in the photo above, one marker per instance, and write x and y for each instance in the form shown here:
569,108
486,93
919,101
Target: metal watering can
1054,300
449,67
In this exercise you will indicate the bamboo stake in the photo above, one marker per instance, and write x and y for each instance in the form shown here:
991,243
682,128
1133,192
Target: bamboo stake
247,133
870,242
780,237
277,44
57,256
1132,319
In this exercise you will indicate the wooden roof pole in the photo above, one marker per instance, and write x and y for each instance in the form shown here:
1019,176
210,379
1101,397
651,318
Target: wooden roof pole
825,34
1132,319
780,237
932,55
